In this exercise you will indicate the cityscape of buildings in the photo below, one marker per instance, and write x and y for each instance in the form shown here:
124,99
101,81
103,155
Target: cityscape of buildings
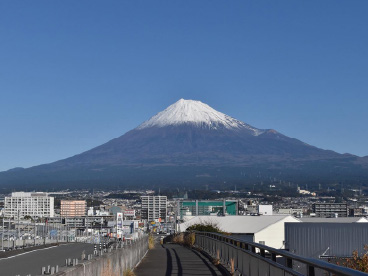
252,218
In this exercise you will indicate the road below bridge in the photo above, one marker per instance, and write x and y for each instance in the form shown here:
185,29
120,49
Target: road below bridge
32,262
176,260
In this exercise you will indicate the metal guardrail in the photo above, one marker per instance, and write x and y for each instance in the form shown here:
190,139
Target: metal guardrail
252,259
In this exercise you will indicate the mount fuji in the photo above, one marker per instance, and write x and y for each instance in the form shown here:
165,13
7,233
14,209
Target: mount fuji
189,143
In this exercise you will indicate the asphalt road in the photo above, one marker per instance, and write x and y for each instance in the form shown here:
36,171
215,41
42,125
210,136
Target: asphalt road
32,262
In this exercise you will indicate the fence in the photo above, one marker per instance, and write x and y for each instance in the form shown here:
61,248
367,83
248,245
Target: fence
113,260
18,235
13,244
256,259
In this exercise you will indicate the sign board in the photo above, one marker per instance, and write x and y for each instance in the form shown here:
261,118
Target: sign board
119,221
119,234
129,213
53,233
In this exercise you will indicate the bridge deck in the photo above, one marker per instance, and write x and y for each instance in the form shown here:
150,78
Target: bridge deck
173,259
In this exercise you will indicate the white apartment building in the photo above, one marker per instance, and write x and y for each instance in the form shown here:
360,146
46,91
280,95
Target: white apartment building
154,207
35,204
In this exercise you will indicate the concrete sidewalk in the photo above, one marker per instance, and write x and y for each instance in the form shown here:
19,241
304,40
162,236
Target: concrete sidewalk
173,259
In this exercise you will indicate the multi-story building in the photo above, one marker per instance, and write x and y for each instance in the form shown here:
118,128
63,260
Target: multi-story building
290,211
357,212
34,204
154,207
208,207
73,208
326,210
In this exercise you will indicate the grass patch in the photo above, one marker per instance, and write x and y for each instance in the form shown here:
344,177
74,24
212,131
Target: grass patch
128,272
151,242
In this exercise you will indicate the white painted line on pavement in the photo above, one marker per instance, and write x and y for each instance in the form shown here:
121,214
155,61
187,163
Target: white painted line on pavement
30,252
140,260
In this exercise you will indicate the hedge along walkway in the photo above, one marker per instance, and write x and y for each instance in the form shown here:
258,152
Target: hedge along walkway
173,259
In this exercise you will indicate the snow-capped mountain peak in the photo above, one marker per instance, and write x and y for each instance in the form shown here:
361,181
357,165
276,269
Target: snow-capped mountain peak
195,113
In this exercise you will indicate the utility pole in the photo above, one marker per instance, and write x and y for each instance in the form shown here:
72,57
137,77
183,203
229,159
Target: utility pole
43,230
8,232
18,225
34,230
2,236
101,226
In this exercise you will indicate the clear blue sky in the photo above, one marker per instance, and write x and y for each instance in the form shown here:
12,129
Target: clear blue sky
75,74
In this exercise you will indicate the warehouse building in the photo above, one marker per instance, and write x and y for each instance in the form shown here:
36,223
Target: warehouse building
268,230
326,239
333,220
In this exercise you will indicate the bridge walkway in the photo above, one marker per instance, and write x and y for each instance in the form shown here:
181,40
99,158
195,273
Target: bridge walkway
176,260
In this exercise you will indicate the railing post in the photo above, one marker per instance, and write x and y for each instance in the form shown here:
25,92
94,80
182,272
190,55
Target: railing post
273,257
289,262
263,254
311,270
253,249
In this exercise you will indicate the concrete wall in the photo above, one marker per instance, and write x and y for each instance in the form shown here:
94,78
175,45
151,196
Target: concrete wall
110,264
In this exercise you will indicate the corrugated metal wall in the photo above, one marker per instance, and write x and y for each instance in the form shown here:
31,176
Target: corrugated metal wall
312,239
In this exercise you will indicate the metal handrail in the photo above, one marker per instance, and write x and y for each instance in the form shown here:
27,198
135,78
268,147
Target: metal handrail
311,263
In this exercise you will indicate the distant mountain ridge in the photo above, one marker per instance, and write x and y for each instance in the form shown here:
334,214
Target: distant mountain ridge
190,139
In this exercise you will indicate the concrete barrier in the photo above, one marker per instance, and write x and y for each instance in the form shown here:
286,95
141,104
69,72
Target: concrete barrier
26,243
112,263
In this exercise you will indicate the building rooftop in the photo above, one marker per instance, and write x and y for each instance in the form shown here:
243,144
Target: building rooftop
334,220
238,224
28,194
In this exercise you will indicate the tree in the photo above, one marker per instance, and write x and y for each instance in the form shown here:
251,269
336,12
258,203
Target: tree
357,262
28,217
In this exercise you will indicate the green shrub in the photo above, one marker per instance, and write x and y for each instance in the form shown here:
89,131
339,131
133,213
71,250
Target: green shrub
205,227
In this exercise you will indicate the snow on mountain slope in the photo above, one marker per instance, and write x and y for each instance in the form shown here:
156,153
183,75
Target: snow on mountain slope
196,113
189,140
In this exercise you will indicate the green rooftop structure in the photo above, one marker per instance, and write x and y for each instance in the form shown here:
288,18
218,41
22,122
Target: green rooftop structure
208,207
